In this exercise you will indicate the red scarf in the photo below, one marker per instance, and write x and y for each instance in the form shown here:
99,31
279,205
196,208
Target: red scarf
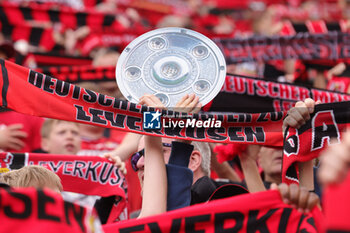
55,59
304,46
90,175
163,7
82,73
68,102
41,211
112,39
258,95
263,212
306,143
14,14
35,36
252,94
341,84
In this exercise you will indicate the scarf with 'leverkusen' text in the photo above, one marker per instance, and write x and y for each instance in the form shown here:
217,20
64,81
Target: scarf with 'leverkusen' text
72,103
89,175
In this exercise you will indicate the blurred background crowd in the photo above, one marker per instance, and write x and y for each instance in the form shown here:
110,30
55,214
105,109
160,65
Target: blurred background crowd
34,33
40,34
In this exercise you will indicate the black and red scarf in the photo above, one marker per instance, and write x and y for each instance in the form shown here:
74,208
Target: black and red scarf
304,144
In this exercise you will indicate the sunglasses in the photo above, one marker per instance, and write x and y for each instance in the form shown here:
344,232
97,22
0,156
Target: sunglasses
136,157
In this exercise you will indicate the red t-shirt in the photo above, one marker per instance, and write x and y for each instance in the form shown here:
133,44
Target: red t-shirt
31,125
341,84
97,147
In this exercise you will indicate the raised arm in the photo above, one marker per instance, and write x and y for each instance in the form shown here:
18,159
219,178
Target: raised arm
297,116
155,185
250,168
124,150
154,195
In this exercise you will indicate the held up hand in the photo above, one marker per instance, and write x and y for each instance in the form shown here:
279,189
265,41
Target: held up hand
117,161
299,114
189,104
298,197
151,101
11,137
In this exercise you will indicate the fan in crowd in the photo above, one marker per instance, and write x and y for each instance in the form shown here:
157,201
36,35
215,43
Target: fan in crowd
82,40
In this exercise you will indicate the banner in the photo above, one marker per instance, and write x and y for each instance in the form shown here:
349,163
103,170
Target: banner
75,4
53,98
56,59
304,144
340,83
258,95
41,211
263,212
162,6
14,14
313,27
89,175
327,10
94,3
333,45
35,36
43,37
73,74
119,39
249,94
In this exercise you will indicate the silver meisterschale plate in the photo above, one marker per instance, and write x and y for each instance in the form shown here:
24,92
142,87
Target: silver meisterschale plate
169,63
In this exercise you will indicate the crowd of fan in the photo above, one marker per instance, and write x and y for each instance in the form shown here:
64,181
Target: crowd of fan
169,161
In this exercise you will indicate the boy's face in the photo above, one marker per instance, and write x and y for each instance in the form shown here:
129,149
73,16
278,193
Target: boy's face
64,138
